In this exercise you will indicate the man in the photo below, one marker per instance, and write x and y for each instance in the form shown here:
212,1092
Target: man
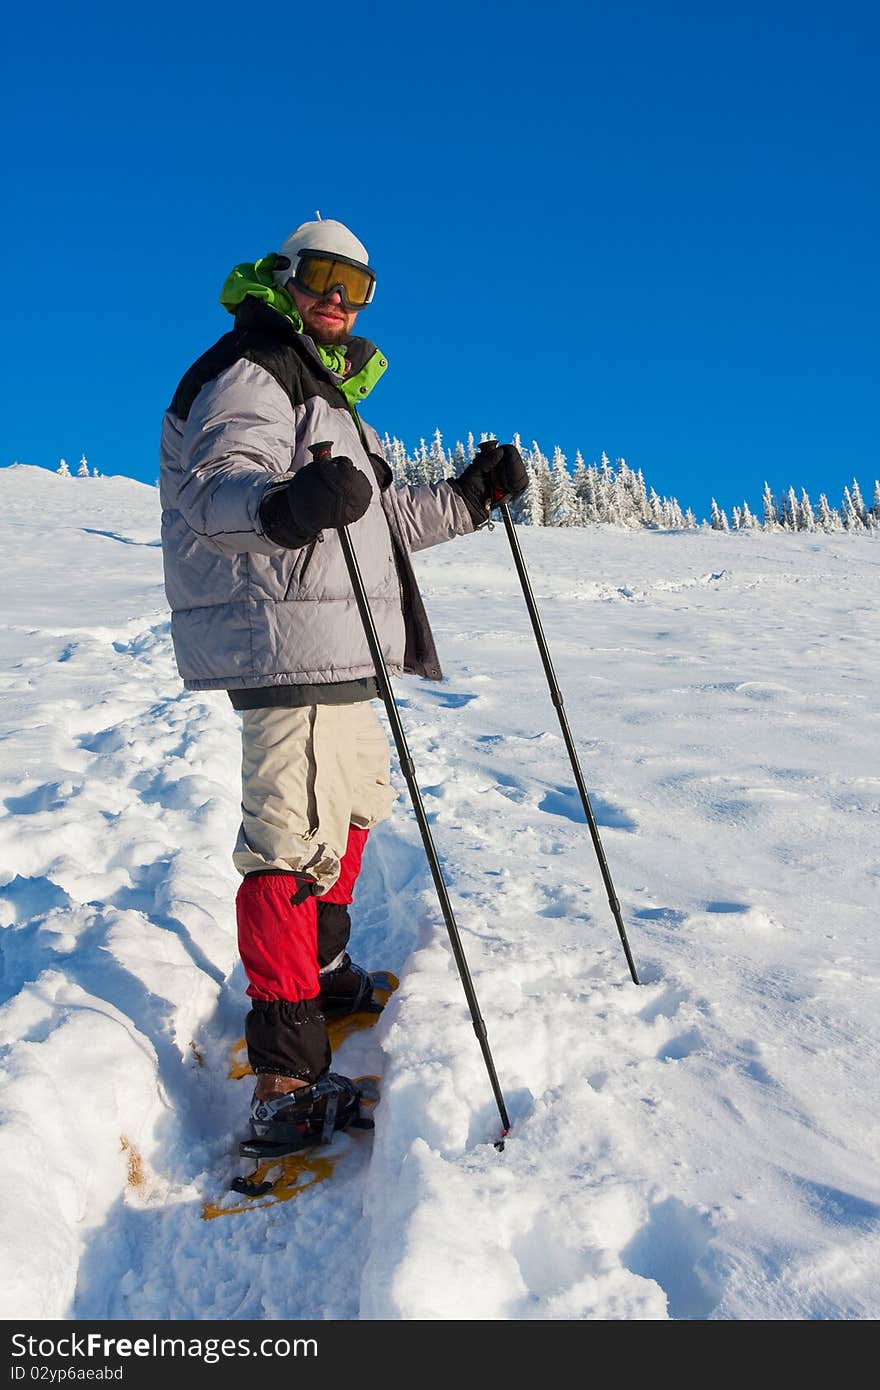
262,607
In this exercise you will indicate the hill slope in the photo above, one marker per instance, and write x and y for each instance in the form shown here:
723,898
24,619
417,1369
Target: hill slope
698,1147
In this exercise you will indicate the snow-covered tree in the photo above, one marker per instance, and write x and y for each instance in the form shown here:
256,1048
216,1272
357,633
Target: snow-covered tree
673,518
641,496
440,467
420,465
63,469
562,502
398,461
624,506
806,520
851,519
530,508
771,519
606,478
789,511
828,519
541,466
719,519
858,503
587,489
655,509
83,470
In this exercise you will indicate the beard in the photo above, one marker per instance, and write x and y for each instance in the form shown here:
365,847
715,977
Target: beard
325,334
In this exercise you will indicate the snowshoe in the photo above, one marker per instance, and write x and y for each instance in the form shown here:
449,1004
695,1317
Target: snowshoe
294,1140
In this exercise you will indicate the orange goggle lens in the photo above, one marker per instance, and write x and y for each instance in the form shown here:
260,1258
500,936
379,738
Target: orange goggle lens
321,275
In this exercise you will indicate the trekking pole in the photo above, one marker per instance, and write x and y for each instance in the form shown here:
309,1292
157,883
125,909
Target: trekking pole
320,452
556,697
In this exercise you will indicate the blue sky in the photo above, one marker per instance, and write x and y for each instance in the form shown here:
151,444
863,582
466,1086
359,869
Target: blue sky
645,228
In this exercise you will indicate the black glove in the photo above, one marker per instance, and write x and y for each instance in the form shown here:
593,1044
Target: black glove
496,475
322,495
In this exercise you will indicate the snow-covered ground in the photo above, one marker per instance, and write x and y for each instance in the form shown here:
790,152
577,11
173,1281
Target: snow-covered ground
702,1146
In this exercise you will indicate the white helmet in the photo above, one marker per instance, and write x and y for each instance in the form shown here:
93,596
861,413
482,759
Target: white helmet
328,236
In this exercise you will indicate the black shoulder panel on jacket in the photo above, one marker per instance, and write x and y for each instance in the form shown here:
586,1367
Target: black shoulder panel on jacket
209,365
269,342
294,375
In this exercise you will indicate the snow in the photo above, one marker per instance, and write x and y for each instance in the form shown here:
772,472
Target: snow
701,1146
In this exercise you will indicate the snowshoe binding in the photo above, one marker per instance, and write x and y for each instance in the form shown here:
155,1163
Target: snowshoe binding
292,1139
347,989
284,1123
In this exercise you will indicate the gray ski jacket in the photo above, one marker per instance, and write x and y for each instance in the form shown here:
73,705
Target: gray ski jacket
247,613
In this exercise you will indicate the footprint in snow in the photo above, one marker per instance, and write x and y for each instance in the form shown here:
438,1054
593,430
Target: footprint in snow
670,915
675,1249
24,898
52,796
450,699
666,1005
682,1046
565,801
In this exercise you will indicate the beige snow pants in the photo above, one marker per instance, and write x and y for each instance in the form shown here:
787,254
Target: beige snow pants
307,774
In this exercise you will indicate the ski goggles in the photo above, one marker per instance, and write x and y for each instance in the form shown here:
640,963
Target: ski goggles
320,274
